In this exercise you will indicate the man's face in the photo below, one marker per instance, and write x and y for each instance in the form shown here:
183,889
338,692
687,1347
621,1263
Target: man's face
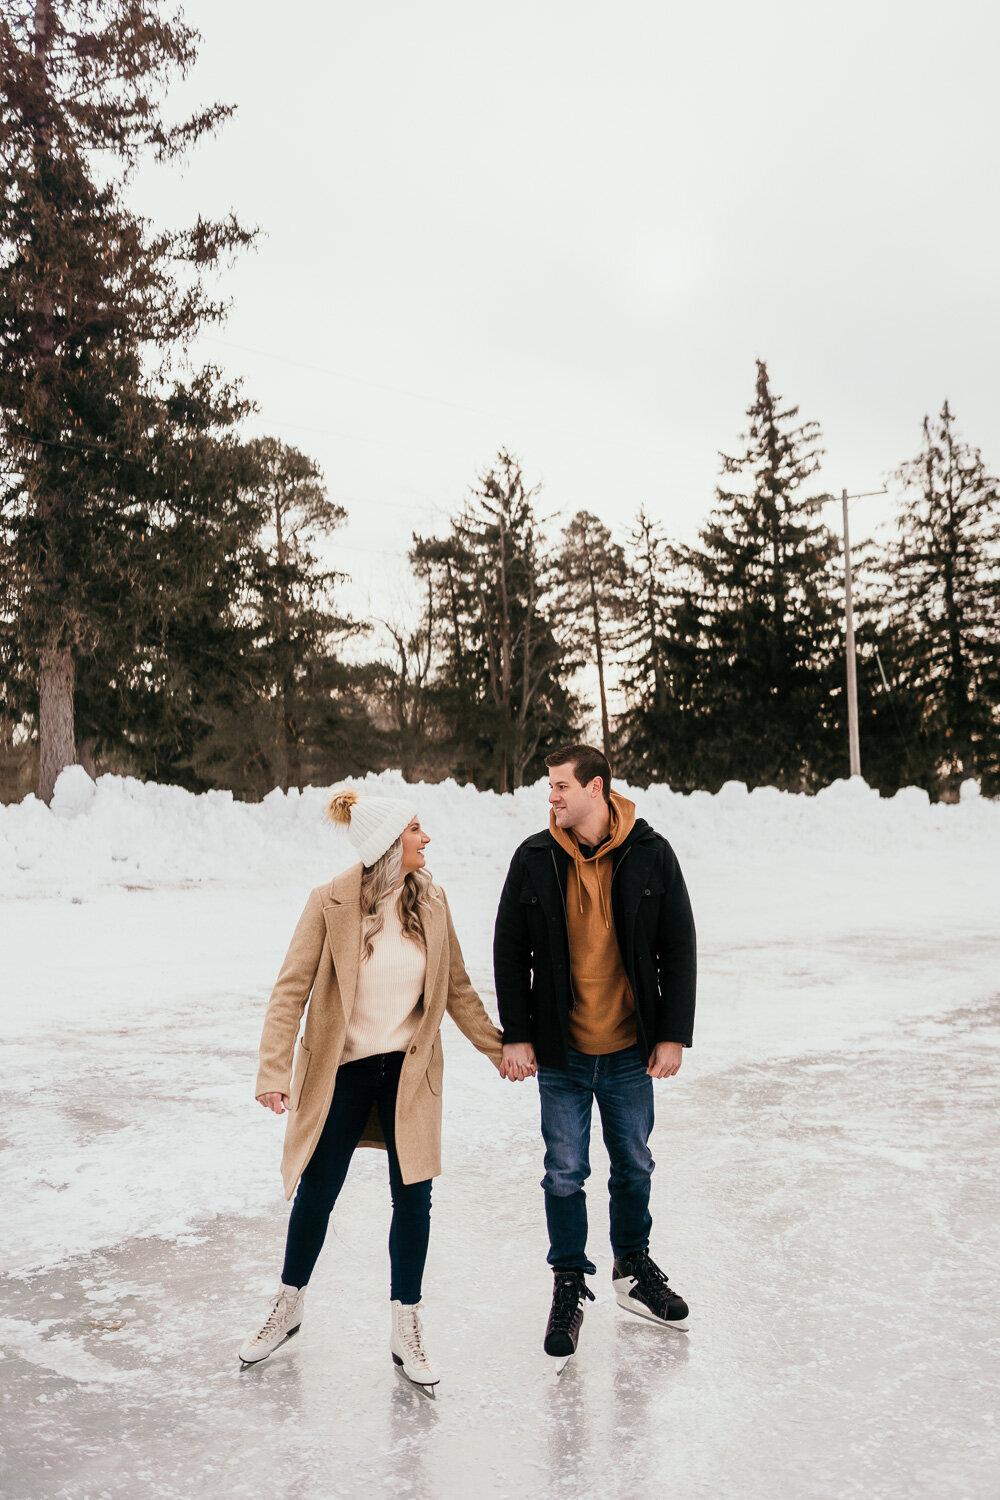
571,802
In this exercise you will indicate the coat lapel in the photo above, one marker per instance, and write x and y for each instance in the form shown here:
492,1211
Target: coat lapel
343,926
434,933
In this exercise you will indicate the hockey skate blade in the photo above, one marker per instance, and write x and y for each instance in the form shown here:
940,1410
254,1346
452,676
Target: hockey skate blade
248,1364
630,1304
427,1388
560,1361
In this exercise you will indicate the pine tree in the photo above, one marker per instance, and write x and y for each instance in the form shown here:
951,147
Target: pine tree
945,574
453,685
593,576
767,691
151,693
299,630
106,448
657,731
503,687
259,691
896,748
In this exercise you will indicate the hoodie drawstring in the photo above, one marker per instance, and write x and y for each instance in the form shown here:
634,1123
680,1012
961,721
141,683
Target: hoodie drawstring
578,862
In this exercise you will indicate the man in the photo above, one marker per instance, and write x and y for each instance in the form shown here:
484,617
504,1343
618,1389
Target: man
594,957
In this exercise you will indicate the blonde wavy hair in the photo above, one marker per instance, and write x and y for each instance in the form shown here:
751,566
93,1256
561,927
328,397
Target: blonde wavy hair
380,880
377,884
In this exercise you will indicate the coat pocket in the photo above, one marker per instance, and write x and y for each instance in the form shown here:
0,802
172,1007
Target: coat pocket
435,1068
302,1056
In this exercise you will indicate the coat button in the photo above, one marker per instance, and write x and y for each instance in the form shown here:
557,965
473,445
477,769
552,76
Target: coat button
649,893
413,1049
534,900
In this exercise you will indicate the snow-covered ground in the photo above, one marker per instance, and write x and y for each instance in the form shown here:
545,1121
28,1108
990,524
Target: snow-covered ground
823,1195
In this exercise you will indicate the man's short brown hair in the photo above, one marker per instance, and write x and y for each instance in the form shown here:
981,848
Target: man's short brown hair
586,762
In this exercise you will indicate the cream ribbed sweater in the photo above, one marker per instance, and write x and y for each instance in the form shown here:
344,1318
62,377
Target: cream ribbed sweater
389,994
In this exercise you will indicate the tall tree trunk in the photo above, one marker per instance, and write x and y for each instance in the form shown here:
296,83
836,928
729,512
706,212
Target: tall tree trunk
956,677
57,747
56,671
599,652
293,745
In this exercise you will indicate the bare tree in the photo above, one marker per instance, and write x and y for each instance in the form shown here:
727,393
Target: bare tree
593,583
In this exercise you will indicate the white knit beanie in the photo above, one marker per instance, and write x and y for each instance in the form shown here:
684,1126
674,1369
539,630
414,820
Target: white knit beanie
373,823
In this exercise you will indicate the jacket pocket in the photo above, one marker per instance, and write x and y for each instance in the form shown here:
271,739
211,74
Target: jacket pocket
302,1056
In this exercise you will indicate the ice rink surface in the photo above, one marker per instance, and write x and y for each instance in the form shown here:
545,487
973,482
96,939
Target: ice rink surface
832,1223
825,1194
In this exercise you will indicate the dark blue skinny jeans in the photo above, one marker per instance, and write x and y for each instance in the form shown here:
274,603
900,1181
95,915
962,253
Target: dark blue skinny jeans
360,1084
624,1094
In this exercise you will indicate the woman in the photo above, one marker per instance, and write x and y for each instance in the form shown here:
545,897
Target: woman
376,958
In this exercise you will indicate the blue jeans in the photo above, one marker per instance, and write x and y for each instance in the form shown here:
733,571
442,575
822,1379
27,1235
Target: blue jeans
624,1094
360,1084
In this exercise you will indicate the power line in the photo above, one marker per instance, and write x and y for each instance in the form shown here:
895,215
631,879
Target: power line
357,547
379,385
506,421
354,437
892,703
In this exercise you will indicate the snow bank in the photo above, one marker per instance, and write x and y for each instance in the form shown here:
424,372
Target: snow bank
123,832
142,927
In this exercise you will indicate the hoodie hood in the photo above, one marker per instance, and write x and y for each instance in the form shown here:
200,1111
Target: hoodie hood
587,880
603,1015
622,822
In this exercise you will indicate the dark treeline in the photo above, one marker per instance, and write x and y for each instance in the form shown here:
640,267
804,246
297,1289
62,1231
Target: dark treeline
692,665
168,605
724,660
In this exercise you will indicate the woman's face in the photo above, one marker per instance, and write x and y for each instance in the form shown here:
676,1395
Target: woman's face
415,840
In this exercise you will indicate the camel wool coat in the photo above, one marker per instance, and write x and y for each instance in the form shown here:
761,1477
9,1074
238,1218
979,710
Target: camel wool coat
320,971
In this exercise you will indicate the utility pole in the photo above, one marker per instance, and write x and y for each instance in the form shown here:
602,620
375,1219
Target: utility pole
853,737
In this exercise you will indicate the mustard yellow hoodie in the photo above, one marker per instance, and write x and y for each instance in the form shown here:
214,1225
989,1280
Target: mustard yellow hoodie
604,1017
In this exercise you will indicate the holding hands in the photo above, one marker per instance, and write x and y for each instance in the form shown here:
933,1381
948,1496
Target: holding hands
518,1062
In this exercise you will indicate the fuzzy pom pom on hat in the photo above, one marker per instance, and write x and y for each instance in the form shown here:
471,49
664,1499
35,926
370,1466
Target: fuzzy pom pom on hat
373,823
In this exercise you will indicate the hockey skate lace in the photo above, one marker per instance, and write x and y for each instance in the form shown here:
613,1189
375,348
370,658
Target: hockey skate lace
569,1292
651,1279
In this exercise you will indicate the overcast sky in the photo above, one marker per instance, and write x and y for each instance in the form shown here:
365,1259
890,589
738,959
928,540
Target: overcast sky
570,228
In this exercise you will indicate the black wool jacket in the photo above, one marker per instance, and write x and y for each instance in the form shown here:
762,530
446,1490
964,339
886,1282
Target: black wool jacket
653,923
